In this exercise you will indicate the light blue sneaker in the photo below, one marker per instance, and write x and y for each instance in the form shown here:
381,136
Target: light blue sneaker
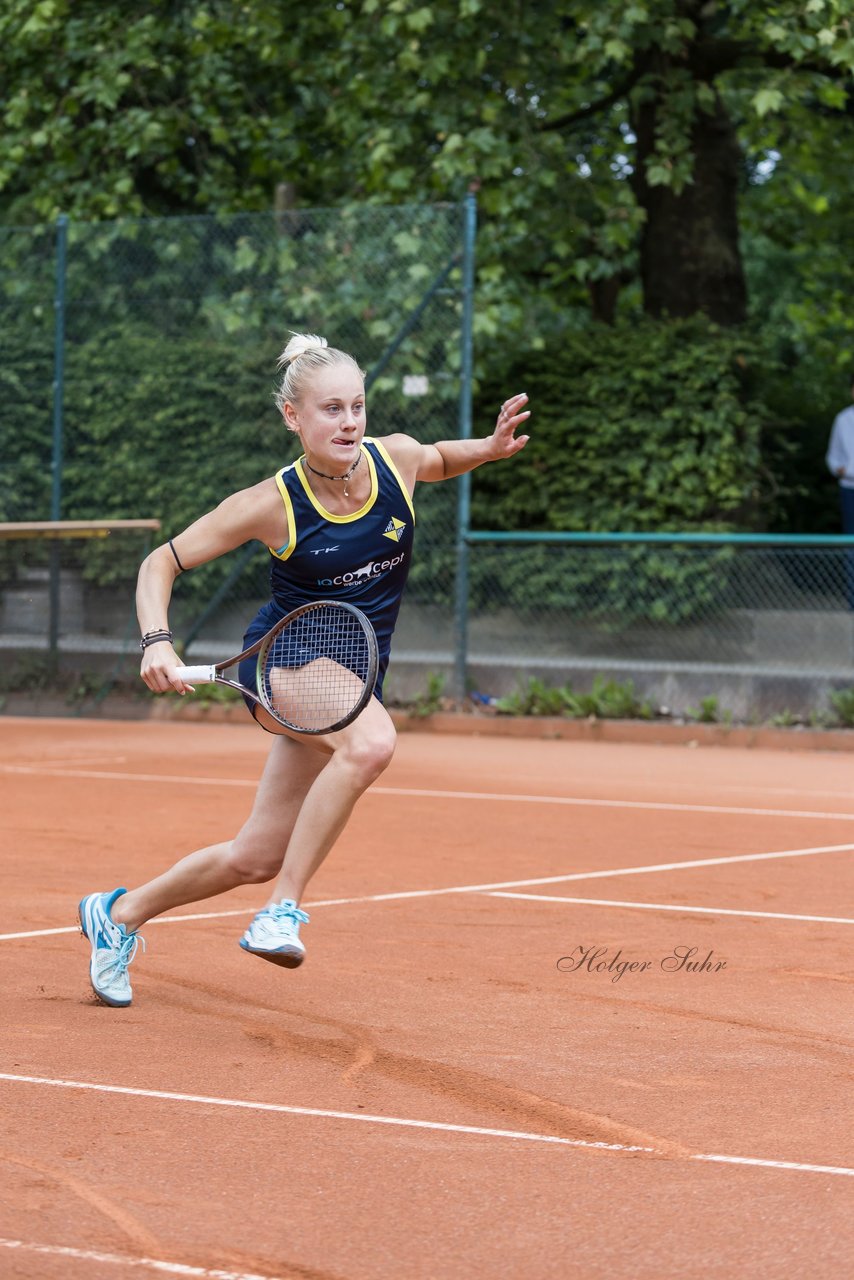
113,948
274,934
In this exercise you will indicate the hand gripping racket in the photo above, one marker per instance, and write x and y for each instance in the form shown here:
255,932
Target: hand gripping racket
316,669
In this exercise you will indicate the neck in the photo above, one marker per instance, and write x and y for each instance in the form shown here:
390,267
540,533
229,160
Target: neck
344,477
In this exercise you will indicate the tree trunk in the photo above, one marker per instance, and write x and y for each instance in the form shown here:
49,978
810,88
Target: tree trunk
690,257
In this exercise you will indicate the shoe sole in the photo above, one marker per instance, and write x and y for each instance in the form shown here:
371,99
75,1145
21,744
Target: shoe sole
286,959
80,921
110,1004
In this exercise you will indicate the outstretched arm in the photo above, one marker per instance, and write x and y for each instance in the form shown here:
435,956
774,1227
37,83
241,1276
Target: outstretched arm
449,458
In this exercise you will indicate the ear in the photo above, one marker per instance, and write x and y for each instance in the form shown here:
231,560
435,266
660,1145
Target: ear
289,414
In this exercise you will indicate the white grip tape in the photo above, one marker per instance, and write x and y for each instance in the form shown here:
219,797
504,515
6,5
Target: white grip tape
203,675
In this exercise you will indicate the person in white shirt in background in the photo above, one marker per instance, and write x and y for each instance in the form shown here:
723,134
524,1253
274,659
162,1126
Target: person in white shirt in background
840,463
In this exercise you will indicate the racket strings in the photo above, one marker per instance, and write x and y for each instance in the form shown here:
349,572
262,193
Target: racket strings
316,668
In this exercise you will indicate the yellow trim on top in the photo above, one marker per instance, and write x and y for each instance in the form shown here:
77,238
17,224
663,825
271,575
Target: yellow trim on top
329,515
290,546
386,456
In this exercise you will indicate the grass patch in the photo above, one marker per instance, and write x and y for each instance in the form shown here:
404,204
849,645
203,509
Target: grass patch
607,700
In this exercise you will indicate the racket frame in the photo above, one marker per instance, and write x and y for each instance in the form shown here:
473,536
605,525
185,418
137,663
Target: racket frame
213,674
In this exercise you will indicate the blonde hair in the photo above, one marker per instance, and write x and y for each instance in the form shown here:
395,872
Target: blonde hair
303,356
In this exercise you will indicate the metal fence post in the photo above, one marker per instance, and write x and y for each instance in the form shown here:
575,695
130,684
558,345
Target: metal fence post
58,365
465,420
58,406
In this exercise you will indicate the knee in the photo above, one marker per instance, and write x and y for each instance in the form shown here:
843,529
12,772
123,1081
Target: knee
255,860
367,755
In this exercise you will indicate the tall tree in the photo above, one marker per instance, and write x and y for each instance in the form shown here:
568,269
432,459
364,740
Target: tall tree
698,76
610,140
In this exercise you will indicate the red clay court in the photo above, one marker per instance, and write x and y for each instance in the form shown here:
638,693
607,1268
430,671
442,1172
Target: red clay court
496,1060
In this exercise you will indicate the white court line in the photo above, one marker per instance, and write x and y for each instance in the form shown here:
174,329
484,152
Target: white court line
432,1125
64,767
116,1259
479,888
199,915
661,906
65,762
600,875
598,803
767,791
488,796
101,774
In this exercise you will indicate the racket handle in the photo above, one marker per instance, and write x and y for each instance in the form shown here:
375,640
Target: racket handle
197,675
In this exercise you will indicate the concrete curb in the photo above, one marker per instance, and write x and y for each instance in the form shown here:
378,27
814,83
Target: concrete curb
473,724
651,732
654,732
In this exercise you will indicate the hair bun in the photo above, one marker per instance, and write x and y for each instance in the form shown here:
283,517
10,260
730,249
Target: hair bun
298,345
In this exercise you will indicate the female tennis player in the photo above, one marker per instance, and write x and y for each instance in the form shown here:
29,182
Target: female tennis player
339,525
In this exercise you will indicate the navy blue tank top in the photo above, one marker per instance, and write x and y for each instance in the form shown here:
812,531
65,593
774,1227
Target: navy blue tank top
362,558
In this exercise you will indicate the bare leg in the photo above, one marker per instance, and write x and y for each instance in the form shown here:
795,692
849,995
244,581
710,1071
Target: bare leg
360,753
288,774
303,802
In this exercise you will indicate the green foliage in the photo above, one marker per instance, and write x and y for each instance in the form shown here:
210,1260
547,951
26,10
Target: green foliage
785,719
113,110
156,426
172,329
642,428
611,700
607,700
706,713
29,672
430,701
842,705
212,695
109,110
639,427
159,108
660,432
86,686
536,698
26,372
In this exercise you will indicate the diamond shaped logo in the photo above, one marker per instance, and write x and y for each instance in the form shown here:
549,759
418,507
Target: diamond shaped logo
394,529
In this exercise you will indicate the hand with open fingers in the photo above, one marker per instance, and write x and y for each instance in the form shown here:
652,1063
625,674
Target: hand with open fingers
513,413
159,668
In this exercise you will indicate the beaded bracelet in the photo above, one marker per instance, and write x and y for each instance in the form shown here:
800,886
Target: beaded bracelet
154,637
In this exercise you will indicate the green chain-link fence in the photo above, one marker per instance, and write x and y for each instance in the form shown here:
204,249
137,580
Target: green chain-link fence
138,364
760,623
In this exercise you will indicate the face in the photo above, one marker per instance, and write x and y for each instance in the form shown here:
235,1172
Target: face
330,417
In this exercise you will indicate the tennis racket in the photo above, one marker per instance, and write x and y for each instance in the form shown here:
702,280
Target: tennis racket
316,669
